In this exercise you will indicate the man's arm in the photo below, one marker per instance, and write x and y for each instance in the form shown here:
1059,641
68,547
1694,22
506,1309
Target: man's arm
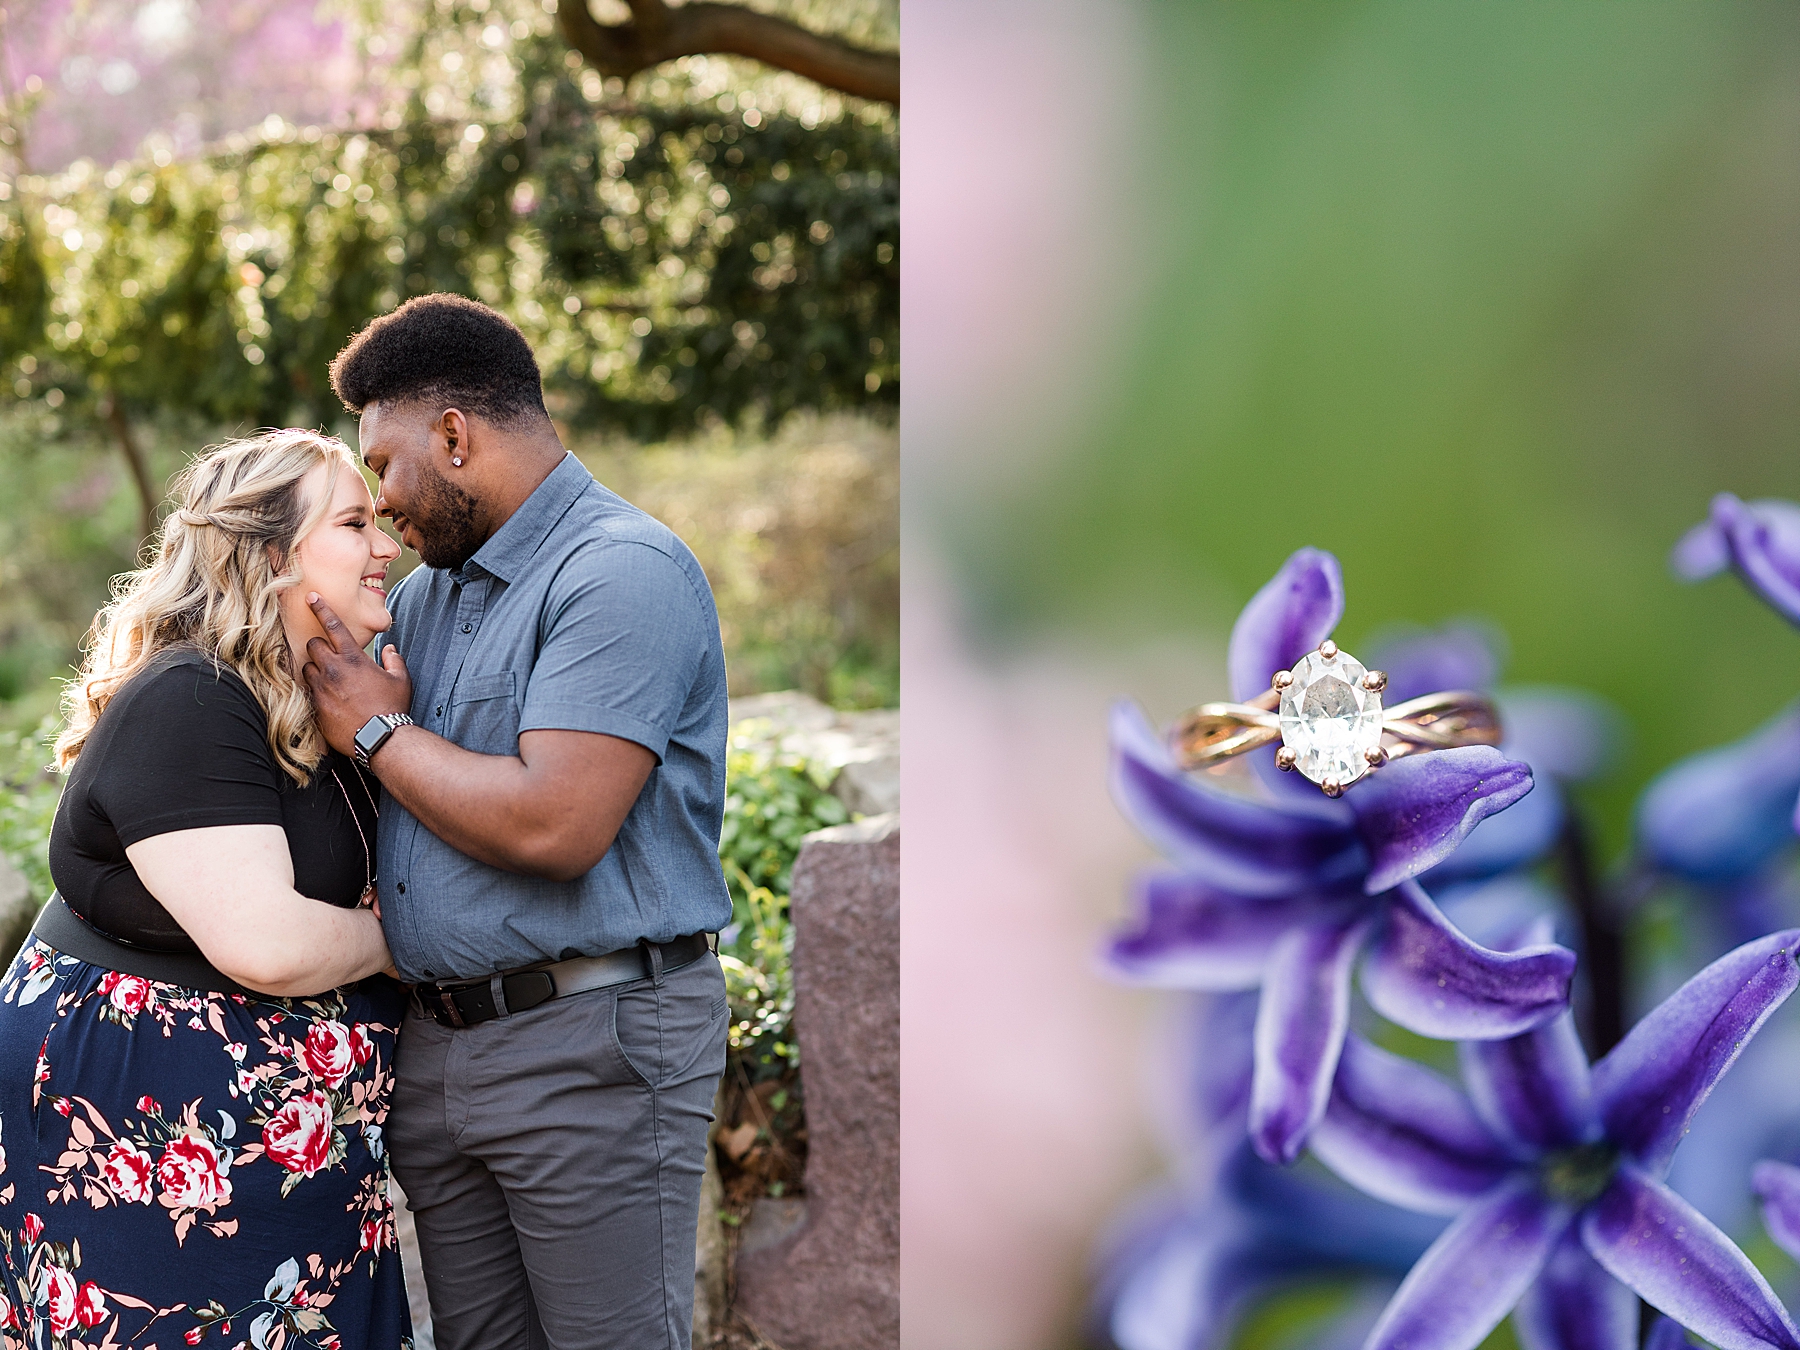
551,811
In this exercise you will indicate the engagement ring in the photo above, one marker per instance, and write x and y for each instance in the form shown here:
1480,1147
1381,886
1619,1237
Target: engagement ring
1327,714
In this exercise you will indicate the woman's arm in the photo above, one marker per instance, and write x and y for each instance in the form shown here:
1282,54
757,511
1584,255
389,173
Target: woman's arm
231,887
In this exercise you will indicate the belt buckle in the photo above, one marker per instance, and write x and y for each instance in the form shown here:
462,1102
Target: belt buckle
448,1003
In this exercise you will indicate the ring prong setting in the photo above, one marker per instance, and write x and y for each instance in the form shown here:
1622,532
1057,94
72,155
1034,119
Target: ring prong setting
1328,649
1281,679
1286,759
1375,681
1376,755
1332,788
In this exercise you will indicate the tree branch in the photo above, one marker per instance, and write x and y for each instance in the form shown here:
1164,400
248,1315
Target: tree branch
140,471
659,32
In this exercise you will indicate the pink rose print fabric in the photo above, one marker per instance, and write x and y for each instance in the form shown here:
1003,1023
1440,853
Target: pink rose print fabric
185,1168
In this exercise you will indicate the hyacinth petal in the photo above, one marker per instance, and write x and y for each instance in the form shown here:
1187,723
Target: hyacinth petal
1413,813
1475,1272
1722,814
1534,1090
1300,1027
1285,620
1180,1270
1777,1185
1310,1215
1700,553
1650,1084
1764,541
1159,1285
1576,1305
1743,911
1232,841
1665,1333
1191,935
1522,833
1563,733
1397,1131
1503,913
1420,661
1215,1048
1428,977
1651,1239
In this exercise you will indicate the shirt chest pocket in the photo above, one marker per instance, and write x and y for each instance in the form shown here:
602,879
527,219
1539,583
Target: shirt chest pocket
483,715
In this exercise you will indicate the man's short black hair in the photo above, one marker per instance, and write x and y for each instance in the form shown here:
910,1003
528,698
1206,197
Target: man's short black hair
444,349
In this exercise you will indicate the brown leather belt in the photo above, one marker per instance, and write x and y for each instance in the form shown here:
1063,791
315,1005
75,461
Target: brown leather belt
460,1003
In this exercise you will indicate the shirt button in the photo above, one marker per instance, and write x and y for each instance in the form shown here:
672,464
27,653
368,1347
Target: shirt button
440,710
401,888
468,628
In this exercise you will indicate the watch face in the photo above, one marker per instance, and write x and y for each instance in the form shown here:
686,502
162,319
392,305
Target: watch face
373,732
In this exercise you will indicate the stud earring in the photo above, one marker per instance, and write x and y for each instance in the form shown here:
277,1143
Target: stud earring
456,460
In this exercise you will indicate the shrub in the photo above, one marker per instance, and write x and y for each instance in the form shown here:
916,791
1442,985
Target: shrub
28,793
772,802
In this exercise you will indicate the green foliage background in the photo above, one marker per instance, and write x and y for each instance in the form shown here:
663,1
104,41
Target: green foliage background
709,253
715,244
772,802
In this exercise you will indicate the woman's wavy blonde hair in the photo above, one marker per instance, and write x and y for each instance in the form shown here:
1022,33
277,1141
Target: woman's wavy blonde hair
220,560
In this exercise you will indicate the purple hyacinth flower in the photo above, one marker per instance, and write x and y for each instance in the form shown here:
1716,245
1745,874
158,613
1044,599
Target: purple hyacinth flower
1284,891
1565,735
1554,1173
1465,654
1750,1116
1179,1272
1777,1186
1666,1334
1760,541
1721,816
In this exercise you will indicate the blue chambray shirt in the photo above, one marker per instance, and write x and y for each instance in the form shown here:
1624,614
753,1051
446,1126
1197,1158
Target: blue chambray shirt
581,613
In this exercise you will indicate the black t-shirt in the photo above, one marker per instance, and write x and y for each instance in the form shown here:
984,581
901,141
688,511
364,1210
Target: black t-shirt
185,745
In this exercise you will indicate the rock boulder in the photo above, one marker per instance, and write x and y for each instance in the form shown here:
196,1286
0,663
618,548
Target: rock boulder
834,1283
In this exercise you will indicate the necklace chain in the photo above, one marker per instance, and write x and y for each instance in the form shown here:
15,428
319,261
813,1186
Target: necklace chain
368,858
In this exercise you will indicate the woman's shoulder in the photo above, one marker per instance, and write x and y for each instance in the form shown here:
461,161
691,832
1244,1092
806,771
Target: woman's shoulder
186,684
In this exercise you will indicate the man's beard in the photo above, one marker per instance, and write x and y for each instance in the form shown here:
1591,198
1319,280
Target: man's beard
446,521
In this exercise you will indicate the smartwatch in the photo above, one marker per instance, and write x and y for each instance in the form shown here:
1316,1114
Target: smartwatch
375,733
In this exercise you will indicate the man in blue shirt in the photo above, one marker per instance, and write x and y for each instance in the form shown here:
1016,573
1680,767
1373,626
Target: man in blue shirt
547,720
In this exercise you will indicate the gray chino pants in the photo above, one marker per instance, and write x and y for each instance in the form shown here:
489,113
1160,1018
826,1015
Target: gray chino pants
552,1161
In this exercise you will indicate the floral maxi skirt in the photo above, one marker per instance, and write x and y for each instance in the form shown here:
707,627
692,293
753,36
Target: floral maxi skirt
180,1167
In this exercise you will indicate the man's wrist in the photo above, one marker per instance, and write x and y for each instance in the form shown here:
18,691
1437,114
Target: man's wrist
376,733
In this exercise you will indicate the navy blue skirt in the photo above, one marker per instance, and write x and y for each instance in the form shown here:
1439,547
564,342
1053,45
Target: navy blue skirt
180,1167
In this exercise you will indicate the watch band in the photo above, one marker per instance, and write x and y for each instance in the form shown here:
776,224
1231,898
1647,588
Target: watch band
369,738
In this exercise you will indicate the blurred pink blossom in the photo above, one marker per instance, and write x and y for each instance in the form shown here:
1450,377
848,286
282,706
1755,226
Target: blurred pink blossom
108,74
1024,1116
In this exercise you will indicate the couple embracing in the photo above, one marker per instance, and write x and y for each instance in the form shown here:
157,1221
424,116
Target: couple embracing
445,909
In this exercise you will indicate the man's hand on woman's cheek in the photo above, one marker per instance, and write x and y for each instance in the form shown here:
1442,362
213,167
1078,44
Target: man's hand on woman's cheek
347,687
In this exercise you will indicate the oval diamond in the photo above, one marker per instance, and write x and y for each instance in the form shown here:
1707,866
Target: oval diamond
1329,720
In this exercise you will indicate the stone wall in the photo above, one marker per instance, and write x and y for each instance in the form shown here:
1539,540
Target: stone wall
863,747
834,1283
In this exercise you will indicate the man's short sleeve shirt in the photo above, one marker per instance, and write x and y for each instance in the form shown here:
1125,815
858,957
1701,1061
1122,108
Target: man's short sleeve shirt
581,613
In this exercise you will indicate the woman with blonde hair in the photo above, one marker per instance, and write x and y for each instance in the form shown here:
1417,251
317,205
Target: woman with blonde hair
196,1042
